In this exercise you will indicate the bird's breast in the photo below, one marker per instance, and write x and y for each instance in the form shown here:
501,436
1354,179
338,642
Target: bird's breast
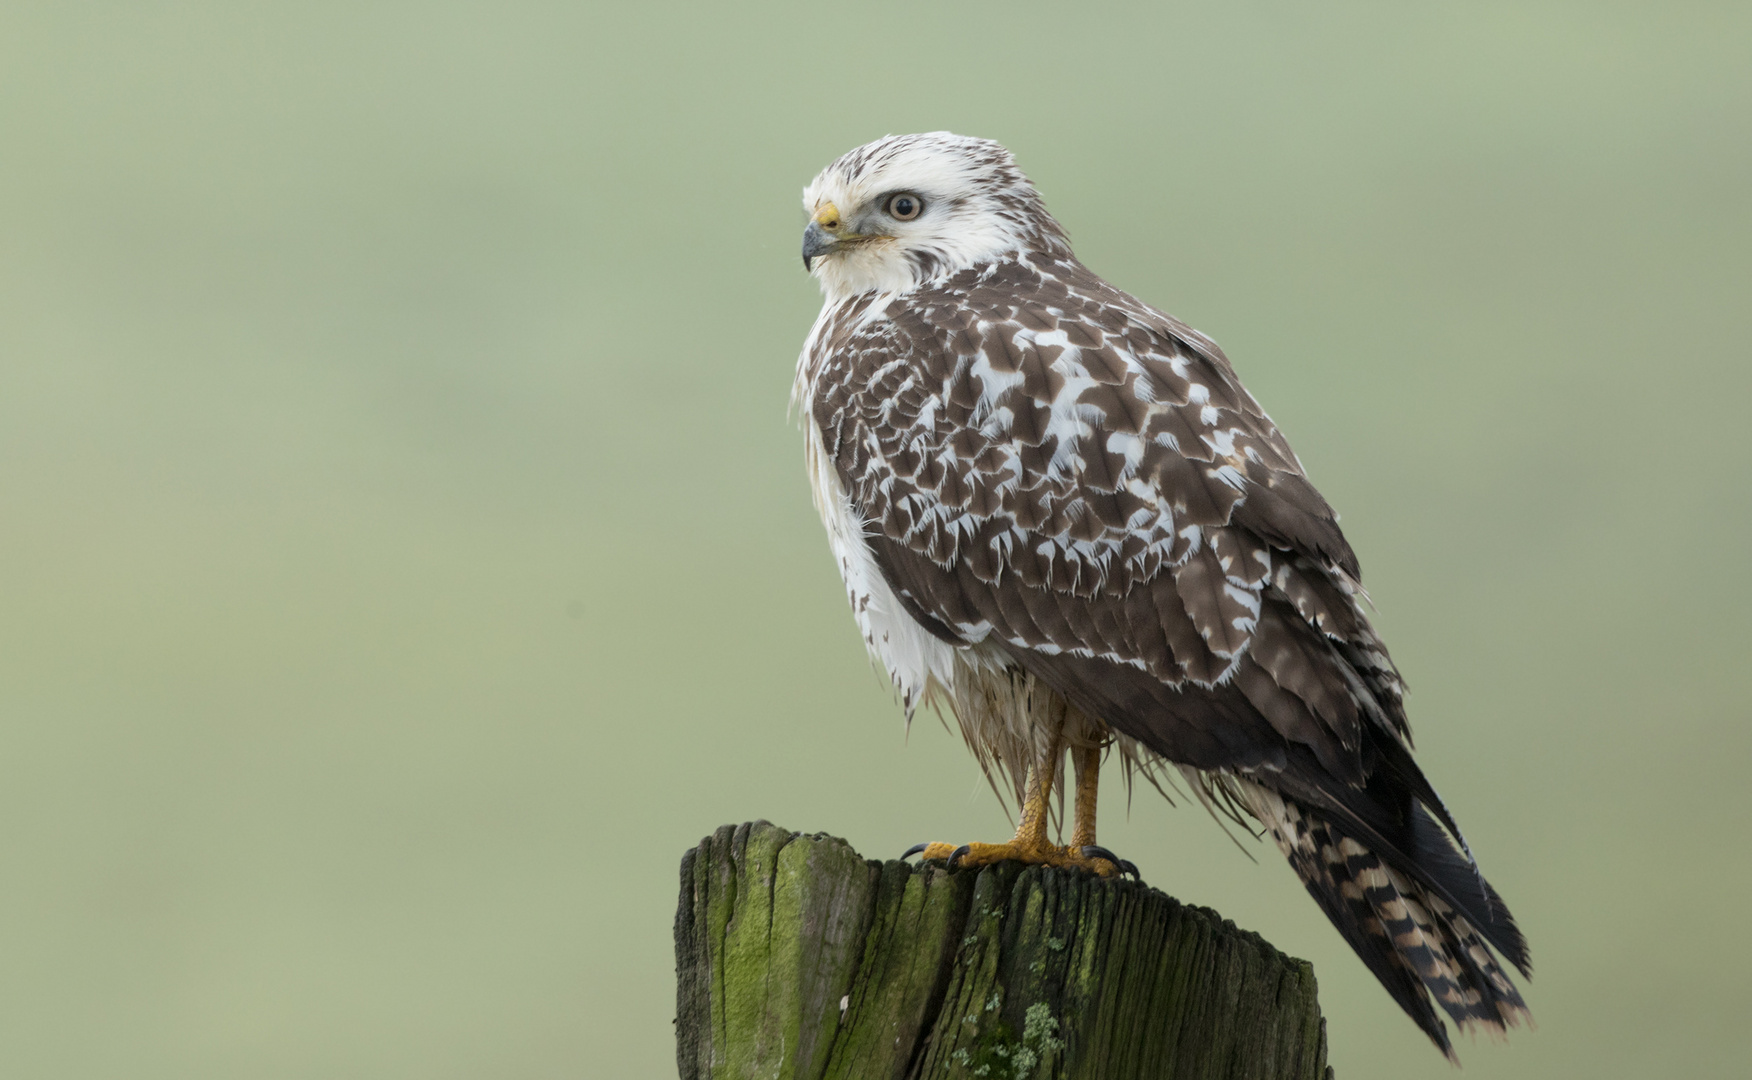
914,658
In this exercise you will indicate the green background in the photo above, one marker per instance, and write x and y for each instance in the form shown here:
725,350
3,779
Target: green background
405,554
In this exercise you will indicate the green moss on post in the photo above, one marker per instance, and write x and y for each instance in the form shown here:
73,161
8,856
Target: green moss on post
798,960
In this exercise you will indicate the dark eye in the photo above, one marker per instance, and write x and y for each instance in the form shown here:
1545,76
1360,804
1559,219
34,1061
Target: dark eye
905,206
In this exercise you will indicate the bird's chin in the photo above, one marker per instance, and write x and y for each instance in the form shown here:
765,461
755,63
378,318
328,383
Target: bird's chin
875,265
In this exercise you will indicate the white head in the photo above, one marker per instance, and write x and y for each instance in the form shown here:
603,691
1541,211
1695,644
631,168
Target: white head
906,209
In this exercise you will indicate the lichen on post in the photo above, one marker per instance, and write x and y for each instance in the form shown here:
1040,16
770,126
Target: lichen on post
796,959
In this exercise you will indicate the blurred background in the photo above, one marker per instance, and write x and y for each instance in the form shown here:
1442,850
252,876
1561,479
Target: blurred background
405,553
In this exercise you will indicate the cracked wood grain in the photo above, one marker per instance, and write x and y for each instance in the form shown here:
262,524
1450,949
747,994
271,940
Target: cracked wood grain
797,959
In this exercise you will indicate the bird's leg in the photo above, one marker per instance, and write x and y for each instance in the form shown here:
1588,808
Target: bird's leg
1030,844
1088,761
1031,829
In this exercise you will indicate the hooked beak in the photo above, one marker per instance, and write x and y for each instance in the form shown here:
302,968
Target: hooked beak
827,234
816,241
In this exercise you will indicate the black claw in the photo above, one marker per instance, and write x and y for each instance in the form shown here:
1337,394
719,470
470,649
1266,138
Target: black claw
914,850
955,856
1125,866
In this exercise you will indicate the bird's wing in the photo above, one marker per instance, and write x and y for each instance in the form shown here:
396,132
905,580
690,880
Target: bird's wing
1043,460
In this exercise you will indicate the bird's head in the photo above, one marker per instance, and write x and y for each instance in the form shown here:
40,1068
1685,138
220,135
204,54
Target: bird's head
905,209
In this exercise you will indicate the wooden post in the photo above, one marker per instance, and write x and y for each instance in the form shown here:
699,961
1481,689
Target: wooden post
797,959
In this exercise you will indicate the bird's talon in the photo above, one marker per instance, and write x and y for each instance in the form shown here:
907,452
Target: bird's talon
935,852
1124,866
955,856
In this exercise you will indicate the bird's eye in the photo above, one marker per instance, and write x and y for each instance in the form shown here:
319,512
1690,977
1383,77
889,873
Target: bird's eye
905,206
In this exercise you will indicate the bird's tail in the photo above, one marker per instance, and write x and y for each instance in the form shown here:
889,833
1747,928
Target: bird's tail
1422,920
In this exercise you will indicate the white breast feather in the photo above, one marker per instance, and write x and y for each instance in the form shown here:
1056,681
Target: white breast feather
916,660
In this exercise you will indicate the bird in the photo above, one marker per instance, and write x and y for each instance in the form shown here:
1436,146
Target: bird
1059,515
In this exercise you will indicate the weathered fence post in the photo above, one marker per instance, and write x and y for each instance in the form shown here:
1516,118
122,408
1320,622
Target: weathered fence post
797,959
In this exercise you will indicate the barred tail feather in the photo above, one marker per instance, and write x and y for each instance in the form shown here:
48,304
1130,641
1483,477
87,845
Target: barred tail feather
1419,943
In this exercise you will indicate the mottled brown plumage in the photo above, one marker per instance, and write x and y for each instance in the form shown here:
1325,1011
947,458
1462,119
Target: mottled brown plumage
1029,473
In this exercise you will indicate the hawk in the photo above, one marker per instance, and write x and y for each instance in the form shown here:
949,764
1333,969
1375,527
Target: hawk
1058,514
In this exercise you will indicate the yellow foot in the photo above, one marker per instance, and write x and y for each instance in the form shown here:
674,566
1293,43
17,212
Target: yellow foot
1096,860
